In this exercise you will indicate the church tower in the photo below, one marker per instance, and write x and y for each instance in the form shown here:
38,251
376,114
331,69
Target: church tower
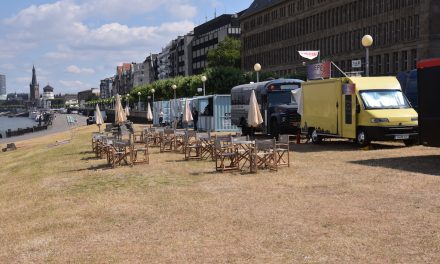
34,94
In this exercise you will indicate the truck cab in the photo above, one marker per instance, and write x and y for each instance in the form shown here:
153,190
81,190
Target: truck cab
277,105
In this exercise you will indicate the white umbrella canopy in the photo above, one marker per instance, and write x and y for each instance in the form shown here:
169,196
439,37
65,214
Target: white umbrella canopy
120,117
98,117
254,114
149,113
187,115
297,94
127,110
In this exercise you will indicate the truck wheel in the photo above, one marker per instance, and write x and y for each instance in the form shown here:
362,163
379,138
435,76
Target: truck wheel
410,142
362,139
316,138
274,129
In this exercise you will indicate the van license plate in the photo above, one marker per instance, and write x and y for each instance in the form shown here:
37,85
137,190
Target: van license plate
401,137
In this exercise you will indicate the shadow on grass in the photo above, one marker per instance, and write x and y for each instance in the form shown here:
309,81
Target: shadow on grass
339,146
92,168
428,165
179,160
91,158
87,152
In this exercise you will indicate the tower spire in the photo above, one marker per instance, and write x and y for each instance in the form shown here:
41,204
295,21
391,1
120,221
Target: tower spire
34,94
34,76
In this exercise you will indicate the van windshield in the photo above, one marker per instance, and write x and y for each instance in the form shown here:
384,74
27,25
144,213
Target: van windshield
384,99
284,97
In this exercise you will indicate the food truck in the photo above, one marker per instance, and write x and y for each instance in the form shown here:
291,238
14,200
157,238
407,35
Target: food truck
364,109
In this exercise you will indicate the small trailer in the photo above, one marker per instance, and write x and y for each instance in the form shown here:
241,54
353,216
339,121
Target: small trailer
163,106
214,113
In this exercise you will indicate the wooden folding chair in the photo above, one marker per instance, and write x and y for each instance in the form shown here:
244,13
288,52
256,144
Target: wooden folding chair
119,152
265,154
166,140
282,151
140,153
224,153
192,146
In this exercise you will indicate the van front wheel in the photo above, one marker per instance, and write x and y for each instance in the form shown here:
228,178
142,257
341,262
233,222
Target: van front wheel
316,138
362,139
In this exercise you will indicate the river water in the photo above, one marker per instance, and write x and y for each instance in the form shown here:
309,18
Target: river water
15,122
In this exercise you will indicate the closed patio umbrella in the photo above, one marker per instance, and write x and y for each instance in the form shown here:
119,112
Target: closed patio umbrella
187,115
254,114
98,117
120,117
297,94
149,113
127,110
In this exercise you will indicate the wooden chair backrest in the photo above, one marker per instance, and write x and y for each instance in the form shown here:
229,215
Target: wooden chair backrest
283,139
265,144
240,138
168,131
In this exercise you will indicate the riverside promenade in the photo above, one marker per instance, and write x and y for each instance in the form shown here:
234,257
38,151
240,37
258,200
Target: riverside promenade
59,124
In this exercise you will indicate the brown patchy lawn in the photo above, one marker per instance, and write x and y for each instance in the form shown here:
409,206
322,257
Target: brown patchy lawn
335,204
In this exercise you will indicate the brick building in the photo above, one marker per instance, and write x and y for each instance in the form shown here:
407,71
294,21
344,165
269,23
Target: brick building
404,31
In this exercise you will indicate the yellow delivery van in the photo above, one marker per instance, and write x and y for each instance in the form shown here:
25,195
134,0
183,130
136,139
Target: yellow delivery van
361,108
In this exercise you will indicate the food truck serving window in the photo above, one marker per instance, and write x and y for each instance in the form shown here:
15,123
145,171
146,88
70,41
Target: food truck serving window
206,106
384,99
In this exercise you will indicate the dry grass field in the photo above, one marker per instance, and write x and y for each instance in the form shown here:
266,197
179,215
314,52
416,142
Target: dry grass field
335,204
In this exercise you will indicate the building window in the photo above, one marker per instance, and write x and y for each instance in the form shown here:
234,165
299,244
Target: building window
413,58
387,63
404,60
395,62
378,64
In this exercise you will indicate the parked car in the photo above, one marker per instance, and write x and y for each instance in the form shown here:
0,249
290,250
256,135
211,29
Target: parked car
90,120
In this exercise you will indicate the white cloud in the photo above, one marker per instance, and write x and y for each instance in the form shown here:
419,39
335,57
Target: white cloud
23,79
79,85
76,70
8,66
182,11
77,36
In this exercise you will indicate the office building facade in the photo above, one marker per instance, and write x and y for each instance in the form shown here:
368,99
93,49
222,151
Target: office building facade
404,31
208,35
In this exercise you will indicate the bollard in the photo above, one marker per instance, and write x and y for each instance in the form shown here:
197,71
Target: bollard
298,136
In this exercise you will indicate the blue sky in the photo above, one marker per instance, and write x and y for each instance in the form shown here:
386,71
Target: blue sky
76,43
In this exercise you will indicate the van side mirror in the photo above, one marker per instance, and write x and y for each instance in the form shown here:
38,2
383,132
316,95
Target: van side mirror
358,108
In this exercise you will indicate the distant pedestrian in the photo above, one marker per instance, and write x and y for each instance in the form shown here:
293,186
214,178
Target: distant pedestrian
195,115
161,117
40,118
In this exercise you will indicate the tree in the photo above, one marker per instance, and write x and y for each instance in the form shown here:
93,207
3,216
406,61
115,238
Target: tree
226,54
222,79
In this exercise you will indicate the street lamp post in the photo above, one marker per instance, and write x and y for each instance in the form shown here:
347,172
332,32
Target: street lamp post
367,41
152,91
174,87
139,101
257,68
204,80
